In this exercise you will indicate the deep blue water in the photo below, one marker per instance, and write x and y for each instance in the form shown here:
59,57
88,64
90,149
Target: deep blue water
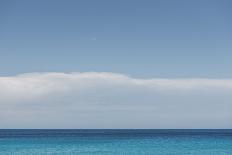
115,142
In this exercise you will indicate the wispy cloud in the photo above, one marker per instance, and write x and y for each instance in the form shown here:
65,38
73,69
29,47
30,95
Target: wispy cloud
110,100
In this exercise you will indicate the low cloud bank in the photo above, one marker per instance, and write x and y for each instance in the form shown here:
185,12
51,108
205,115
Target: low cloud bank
110,100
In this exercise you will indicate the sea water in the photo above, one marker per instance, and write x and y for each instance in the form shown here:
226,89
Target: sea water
115,142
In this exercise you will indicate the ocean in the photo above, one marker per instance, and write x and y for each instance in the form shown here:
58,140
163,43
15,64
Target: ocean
115,142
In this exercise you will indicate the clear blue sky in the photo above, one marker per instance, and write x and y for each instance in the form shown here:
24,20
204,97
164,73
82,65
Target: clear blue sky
146,38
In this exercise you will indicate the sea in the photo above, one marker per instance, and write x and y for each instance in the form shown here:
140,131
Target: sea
115,142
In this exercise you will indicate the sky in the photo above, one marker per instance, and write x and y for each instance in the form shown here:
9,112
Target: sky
115,63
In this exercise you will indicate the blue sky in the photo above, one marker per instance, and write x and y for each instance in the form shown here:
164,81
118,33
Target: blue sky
115,64
140,38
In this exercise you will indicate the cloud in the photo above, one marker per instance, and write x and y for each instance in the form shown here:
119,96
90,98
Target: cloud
110,100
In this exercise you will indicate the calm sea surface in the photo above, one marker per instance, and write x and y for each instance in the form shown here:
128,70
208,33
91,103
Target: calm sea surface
115,142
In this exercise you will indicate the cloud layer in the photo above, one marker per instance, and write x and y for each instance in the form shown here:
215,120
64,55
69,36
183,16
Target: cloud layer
109,100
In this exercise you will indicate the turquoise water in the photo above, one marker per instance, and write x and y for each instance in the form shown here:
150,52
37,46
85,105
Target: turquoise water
116,142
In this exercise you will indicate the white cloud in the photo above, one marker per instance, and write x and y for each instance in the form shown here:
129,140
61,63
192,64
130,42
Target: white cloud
109,100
